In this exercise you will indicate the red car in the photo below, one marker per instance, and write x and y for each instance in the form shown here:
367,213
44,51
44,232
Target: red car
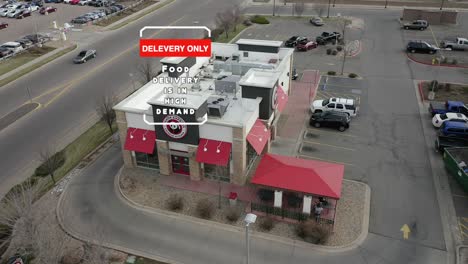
23,14
74,2
307,46
47,9
3,25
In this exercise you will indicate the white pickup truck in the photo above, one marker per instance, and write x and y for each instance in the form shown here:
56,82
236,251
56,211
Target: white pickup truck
455,44
344,105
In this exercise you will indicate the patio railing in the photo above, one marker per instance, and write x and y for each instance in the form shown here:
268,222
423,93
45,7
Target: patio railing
286,213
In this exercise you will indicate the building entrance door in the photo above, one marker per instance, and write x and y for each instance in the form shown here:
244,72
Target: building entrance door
180,165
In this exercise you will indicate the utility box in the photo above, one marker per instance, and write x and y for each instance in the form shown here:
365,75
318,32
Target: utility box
232,198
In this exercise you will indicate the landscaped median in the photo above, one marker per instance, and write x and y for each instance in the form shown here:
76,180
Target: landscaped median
147,189
28,56
444,91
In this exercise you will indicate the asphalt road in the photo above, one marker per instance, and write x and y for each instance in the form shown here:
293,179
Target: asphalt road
90,198
68,93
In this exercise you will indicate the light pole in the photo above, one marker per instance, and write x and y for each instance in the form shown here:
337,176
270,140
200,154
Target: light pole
249,219
334,3
274,7
442,4
328,12
386,3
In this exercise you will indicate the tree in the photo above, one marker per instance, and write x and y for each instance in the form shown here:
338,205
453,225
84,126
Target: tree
51,161
237,16
224,20
319,9
49,243
299,8
146,71
105,111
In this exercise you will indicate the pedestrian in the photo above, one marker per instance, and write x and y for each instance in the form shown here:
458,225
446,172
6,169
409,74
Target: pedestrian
318,211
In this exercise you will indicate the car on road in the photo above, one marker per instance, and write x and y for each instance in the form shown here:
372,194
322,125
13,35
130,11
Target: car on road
306,46
316,21
439,119
330,119
420,47
454,129
443,142
416,24
455,44
328,37
436,107
3,25
347,106
294,40
84,56
47,10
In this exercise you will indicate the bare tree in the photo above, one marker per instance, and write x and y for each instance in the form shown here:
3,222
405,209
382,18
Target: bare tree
105,111
51,160
146,71
299,8
237,16
224,20
319,9
50,244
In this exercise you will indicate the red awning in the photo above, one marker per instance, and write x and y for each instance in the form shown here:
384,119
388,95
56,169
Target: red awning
213,152
258,136
300,175
140,140
282,99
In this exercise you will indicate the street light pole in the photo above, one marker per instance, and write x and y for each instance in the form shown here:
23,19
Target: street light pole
334,3
386,3
249,219
328,12
274,7
442,5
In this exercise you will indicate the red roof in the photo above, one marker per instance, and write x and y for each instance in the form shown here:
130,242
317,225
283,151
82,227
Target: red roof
300,175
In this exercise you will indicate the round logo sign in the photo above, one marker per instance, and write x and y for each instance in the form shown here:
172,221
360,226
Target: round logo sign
274,98
176,129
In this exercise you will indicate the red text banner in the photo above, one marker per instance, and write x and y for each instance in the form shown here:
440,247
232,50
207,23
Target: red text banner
175,47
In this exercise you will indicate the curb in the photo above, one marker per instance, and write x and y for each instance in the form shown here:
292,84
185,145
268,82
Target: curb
370,7
435,65
421,94
327,249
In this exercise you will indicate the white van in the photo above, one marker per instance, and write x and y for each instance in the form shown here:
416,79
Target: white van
13,46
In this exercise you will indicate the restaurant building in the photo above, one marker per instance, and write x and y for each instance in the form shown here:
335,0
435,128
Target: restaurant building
240,91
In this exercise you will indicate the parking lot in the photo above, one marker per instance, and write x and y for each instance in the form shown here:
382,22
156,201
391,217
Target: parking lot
18,28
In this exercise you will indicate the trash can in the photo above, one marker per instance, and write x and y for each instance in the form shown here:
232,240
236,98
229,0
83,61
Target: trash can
232,198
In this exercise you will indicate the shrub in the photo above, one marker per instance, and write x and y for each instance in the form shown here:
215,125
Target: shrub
267,224
445,60
334,52
352,75
175,202
215,33
313,232
329,51
232,215
259,20
58,160
247,22
205,208
293,200
454,61
448,87
331,73
266,195
339,48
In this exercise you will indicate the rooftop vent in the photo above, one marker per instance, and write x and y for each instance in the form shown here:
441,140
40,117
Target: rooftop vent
217,106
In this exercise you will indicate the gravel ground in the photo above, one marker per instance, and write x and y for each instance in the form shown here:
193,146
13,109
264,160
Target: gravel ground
141,186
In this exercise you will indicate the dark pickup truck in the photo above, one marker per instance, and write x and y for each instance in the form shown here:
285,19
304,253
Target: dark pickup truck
447,107
443,142
326,37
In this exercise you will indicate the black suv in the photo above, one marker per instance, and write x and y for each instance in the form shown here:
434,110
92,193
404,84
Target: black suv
327,37
420,47
330,119
295,40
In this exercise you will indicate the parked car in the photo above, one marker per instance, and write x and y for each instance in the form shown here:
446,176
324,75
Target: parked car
33,7
119,6
38,3
94,16
23,14
5,12
328,37
439,119
455,44
307,46
100,13
316,21
108,11
84,56
294,40
14,13
454,129
4,52
38,38
25,43
67,1
13,46
3,25
81,20
114,9
447,107
416,24
421,47
84,2
343,105
47,9
443,142
330,119
74,2
54,1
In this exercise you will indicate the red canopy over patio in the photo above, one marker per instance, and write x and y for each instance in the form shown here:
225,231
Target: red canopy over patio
300,175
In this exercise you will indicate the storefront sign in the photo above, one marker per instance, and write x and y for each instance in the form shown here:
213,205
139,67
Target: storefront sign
274,98
175,127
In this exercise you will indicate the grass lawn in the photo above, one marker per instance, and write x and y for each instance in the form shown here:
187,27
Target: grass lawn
455,92
231,35
32,67
20,59
140,260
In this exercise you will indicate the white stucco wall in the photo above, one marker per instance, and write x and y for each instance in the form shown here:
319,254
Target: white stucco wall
136,121
220,133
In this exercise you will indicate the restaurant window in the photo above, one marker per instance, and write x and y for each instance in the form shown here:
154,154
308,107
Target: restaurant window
147,160
251,156
215,172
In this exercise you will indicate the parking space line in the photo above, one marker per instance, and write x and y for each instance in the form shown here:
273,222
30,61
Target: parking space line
327,160
328,145
341,133
458,195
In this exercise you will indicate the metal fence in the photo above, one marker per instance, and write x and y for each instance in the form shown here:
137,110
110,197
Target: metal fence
286,213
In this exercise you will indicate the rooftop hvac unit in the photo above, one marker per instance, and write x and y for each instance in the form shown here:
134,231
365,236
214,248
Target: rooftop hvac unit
218,66
217,106
227,84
